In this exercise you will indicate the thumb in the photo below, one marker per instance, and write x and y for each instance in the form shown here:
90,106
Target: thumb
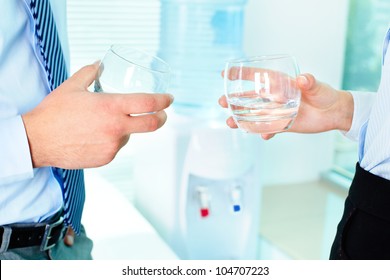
86,75
308,83
69,237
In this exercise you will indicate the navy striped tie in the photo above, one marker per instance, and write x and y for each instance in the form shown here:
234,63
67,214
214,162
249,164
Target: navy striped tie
49,49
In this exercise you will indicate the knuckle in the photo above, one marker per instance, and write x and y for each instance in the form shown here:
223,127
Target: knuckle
151,103
111,151
153,123
114,148
113,129
105,106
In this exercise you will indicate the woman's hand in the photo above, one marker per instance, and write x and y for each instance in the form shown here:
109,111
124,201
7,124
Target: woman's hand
322,108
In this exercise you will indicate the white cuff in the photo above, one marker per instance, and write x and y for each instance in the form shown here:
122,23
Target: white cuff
362,107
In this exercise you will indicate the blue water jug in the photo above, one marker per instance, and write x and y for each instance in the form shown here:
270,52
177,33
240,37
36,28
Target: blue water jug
196,39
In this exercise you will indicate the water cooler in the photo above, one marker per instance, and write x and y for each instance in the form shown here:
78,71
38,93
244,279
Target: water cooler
197,181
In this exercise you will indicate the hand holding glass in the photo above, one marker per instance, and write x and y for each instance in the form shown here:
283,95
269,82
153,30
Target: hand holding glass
127,70
262,92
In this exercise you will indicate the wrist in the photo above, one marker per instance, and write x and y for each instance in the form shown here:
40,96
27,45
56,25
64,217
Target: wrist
344,111
34,144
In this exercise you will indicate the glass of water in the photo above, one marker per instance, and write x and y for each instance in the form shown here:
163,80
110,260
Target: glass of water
262,92
124,69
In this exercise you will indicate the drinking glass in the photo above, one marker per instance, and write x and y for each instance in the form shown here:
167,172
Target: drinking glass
124,69
262,92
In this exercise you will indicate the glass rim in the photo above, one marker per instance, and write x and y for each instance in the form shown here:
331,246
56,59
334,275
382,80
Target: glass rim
113,49
260,58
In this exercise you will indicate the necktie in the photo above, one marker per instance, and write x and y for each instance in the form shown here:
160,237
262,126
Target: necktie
48,49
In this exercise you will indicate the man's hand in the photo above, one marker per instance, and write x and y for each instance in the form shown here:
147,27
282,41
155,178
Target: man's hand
73,128
69,237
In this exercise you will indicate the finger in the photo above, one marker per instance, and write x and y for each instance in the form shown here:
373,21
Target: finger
262,75
139,103
244,73
231,123
146,123
69,237
223,102
235,73
86,75
267,136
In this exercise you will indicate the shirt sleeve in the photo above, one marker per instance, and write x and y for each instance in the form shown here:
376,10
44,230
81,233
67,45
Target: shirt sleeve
362,107
15,159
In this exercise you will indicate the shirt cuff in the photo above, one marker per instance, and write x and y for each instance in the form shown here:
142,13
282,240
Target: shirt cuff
362,107
15,160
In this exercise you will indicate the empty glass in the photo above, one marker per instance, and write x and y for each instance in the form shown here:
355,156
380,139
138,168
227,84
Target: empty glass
124,69
262,92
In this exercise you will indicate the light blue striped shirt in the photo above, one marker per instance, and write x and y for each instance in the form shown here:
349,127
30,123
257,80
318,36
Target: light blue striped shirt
27,194
371,123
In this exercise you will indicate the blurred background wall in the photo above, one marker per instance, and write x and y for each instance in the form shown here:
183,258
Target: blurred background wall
339,41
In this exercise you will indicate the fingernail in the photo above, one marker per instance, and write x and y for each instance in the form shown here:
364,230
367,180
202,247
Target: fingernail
302,80
171,97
